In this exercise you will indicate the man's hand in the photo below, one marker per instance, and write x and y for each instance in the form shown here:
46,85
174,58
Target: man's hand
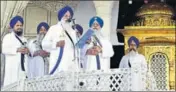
43,53
36,53
98,48
92,52
60,43
23,50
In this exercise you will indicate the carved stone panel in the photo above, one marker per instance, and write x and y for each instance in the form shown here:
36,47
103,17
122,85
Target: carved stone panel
54,6
54,18
33,16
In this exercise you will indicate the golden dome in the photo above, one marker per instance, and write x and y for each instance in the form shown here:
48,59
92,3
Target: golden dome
155,9
155,14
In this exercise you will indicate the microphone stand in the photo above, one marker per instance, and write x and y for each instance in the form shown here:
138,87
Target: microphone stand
78,57
77,49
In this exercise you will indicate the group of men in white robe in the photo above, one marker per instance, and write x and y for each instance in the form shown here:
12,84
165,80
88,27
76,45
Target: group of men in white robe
54,49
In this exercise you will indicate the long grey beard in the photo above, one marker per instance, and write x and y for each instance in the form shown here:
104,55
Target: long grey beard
40,37
99,34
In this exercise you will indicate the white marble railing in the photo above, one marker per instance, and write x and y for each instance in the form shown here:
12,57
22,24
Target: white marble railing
113,80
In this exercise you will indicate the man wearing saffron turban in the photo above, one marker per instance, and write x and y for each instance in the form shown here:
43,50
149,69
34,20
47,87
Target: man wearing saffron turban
98,50
60,41
15,50
38,63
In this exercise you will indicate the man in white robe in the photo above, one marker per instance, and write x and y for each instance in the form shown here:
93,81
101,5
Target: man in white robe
38,63
138,65
15,51
60,41
97,52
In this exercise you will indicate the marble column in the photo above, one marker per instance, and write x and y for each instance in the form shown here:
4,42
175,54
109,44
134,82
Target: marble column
103,10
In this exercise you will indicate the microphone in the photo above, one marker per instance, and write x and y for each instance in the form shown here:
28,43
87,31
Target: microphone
74,24
73,21
70,20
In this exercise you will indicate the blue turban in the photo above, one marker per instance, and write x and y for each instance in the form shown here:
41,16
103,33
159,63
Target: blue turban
98,19
79,28
132,38
15,19
63,11
44,24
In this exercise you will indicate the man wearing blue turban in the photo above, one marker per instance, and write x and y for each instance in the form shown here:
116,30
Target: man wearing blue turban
15,51
60,41
98,51
135,61
38,62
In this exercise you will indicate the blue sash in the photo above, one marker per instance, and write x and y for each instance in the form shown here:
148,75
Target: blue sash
97,56
22,55
60,55
58,60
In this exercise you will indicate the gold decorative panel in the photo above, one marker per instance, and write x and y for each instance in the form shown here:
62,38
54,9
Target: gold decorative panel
156,32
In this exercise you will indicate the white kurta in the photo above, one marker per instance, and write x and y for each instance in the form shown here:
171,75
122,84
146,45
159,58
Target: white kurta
13,71
36,65
54,35
90,62
137,62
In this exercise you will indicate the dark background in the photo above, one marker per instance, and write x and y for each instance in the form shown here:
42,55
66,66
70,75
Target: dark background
126,16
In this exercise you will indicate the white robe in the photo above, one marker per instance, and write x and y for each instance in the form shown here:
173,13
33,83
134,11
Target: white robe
89,61
13,71
36,65
54,35
137,62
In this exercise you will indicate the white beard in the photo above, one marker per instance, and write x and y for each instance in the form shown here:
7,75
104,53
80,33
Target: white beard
66,25
99,34
132,53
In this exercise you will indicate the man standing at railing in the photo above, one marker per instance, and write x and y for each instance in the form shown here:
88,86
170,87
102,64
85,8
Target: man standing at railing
98,50
38,61
15,50
137,62
60,41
